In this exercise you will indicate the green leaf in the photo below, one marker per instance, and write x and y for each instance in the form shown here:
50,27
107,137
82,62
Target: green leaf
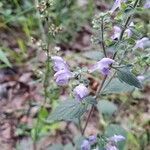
94,55
68,110
106,107
4,59
125,75
116,87
113,129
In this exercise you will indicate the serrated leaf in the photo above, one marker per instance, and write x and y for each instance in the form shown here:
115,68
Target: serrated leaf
68,110
116,87
106,107
128,77
4,59
94,55
113,129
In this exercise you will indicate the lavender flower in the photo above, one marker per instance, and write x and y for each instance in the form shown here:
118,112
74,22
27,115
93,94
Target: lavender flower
141,43
112,141
92,139
117,4
116,32
140,78
147,4
62,77
59,63
80,92
116,138
103,66
85,145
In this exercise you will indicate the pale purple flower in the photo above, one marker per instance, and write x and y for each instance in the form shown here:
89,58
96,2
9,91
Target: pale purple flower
85,145
141,43
102,66
80,92
59,63
92,139
140,78
62,77
147,4
117,4
116,32
116,138
112,141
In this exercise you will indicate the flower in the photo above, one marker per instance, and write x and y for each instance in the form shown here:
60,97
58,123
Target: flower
117,31
63,73
117,4
147,4
80,92
92,139
62,77
140,78
112,141
116,34
141,43
116,138
103,66
85,145
59,63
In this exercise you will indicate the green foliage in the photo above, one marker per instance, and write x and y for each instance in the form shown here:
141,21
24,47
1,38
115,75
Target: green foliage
68,110
115,86
4,58
65,19
106,107
128,77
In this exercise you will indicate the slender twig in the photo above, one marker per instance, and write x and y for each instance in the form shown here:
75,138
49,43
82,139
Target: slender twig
102,36
92,108
45,83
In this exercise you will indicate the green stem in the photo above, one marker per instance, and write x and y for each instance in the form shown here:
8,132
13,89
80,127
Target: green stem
125,27
102,36
92,108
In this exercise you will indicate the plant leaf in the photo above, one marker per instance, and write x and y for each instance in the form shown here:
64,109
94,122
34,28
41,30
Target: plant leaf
106,107
128,77
116,86
68,110
4,59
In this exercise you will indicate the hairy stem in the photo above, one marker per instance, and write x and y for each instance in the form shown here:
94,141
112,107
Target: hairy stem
125,27
102,36
92,108
46,77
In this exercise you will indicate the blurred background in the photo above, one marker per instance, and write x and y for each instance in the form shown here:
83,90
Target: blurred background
27,29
